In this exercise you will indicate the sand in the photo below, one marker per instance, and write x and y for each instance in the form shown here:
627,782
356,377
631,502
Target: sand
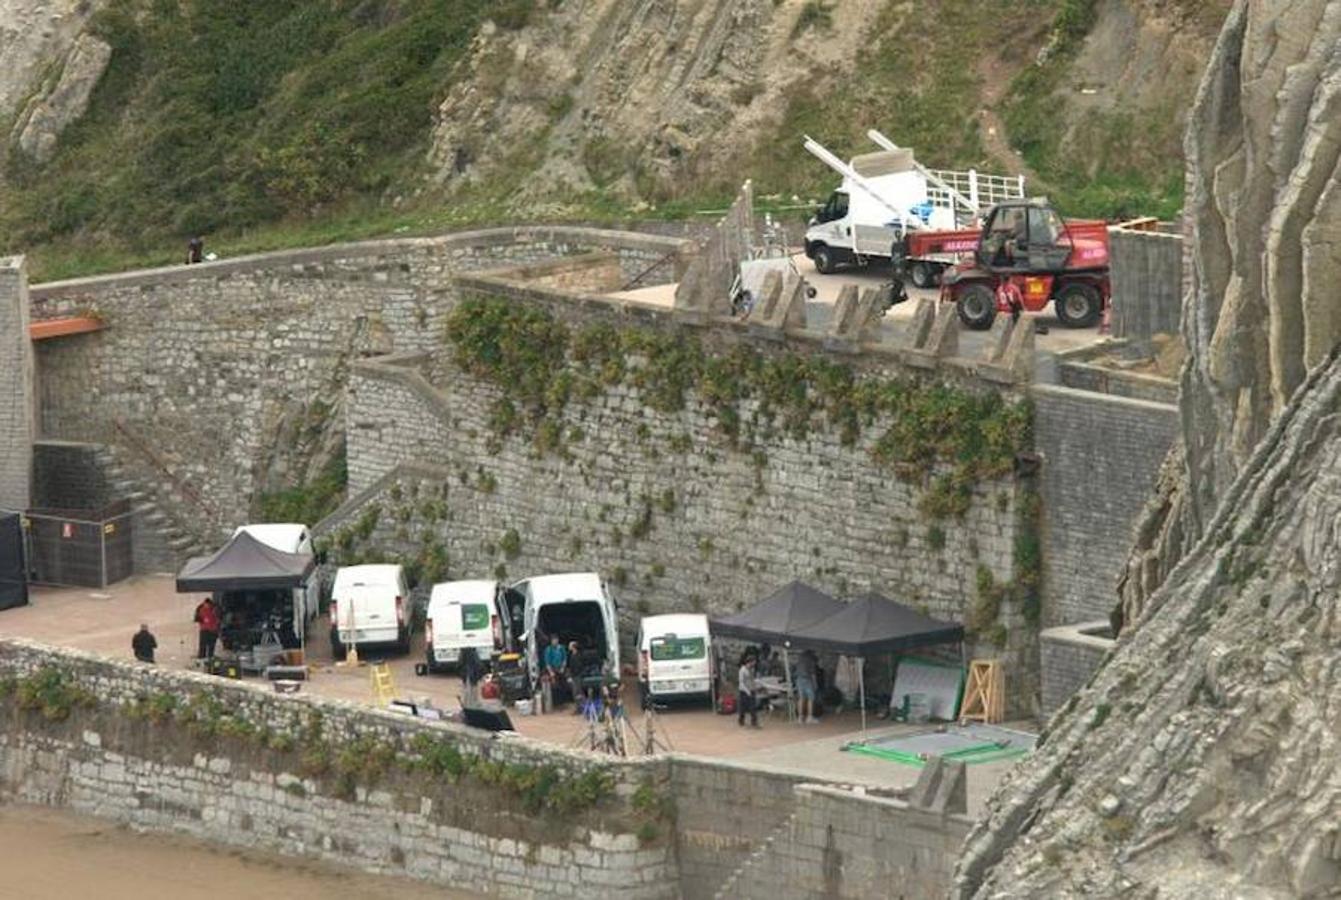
53,855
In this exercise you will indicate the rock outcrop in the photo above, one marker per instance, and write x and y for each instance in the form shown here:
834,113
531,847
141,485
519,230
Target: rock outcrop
1264,209
49,114
1202,760
36,35
603,92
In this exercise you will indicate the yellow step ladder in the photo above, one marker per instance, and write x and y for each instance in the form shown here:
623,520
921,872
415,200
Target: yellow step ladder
384,688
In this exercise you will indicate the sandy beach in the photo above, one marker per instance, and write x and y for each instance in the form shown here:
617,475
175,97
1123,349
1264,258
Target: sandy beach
52,855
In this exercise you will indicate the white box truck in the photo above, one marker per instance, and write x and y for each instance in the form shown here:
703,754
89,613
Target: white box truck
887,193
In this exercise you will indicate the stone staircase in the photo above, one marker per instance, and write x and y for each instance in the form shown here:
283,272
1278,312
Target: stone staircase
756,858
162,541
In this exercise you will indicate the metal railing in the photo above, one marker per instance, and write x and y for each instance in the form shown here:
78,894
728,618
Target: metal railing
81,548
981,190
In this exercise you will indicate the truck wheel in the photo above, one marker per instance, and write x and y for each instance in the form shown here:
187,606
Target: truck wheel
976,306
824,261
403,641
338,651
1079,306
923,274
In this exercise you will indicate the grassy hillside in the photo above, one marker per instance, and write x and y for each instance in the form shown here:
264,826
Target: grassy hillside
264,124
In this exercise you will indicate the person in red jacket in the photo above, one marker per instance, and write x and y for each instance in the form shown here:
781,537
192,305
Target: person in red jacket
207,617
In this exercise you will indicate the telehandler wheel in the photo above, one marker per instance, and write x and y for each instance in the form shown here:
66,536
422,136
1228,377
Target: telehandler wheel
976,306
1079,306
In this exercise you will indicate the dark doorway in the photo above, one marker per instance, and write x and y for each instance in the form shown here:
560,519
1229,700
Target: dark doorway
13,571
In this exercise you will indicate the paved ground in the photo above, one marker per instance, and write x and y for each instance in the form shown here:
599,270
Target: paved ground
103,622
827,287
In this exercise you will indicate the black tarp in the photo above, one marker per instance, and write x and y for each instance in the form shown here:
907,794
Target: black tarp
872,624
245,564
13,572
781,614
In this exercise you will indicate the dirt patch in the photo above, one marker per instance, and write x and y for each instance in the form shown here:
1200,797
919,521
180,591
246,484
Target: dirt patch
51,854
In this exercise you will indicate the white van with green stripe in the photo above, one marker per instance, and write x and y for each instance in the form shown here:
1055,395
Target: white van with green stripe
462,614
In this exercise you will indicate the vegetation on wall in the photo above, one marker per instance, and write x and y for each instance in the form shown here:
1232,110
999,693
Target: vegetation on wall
308,503
342,762
944,437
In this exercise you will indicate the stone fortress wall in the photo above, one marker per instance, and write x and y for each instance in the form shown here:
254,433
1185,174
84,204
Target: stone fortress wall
239,765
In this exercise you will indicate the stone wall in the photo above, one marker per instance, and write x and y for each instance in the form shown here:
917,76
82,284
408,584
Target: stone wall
1070,655
1075,370
1148,285
17,426
298,780
839,839
202,368
1100,458
657,501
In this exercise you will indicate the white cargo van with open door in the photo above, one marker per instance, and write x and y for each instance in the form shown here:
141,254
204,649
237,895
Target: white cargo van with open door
463,614
675,657
572,607
370,606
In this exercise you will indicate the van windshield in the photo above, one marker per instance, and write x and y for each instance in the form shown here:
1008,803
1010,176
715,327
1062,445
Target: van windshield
474,617
669,648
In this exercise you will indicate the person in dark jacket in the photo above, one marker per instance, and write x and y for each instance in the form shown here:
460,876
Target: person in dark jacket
471,670
143,644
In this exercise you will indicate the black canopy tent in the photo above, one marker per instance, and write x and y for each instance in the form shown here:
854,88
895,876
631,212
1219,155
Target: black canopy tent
246,566
873,624
791,608
243,564
784,612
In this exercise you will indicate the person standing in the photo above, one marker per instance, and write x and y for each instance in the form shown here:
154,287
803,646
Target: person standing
195,251
746,692
143,644
470,676
807,684
207,617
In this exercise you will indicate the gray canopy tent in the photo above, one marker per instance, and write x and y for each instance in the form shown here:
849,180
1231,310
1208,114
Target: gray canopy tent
873,624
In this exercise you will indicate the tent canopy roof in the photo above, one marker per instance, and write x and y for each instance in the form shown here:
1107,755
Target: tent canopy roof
244,563
780,615
873,624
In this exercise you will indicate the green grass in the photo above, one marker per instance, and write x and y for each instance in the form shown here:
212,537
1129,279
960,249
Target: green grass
267,126
223,117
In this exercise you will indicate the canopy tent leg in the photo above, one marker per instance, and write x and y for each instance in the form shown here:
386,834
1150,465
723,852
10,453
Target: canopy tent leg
787,672
861,690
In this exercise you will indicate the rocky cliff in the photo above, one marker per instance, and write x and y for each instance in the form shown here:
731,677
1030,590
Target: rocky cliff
1202,760
1264,208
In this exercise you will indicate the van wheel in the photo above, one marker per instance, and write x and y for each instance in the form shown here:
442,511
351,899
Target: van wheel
976,306
824,260
403,641
923,274
338,650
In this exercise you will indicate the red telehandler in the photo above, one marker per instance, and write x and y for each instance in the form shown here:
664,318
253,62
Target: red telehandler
1023,258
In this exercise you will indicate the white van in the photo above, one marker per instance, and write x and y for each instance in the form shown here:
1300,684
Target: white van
675,656
370,605
290,537
462,614
572,607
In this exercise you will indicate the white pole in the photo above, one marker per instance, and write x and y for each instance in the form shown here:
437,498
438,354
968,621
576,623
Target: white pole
973,190
861,689
787,671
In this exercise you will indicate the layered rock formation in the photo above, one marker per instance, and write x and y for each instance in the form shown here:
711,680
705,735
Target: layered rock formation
1264,210
1202,760
48,67
602,92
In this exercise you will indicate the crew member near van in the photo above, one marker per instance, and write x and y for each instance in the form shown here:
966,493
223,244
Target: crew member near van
207,617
